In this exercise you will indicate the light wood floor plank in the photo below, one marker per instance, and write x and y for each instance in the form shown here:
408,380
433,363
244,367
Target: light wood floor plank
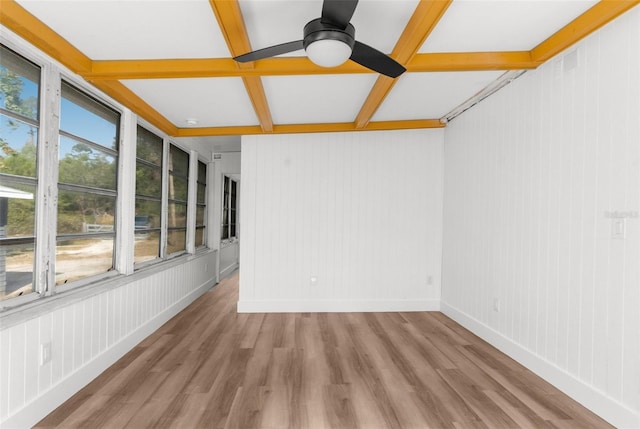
210,367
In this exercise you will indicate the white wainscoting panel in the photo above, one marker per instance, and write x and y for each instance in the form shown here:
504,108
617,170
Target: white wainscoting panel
341,221
229,257
88,334
536,176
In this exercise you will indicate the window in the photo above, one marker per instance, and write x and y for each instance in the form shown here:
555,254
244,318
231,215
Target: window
148,196
87,162
201,204
229,209
81,175
19,124
178,190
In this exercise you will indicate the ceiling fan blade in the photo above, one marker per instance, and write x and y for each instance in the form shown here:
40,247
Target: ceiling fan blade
271,51
338,12
375,60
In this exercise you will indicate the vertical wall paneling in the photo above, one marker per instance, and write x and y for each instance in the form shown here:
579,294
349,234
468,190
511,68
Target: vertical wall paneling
341,221
31,362
535,177
17,368
248,185
5,361
57,349
88,335
45,371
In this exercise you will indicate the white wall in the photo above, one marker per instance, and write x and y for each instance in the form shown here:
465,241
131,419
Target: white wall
532,175
361,212
88,334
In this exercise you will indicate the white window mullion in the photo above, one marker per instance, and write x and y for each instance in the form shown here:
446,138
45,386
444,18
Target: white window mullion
47,191
213,214
125,222
192,196
165,199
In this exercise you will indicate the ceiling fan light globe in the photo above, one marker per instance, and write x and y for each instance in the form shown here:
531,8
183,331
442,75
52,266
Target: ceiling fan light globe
328,52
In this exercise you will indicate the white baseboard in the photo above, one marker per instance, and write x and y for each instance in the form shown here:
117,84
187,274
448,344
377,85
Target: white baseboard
224,272
606,407
336,306
41,406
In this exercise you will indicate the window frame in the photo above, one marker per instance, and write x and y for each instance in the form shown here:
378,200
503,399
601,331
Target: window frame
161,199
91,93
227,182
51,76
37,288
204,205
46,293
183,203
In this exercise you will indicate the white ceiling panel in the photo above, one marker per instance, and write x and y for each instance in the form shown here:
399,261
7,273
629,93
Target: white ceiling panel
141,29
378,23
209,145
317,98
213,102
271,22
501,25
431,95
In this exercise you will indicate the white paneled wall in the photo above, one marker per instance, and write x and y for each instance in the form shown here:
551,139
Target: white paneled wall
88,335
533,177
360,213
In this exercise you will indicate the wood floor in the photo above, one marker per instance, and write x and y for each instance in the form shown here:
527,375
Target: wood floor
210,367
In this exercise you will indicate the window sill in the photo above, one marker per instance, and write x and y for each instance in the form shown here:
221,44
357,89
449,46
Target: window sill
229,242
46,304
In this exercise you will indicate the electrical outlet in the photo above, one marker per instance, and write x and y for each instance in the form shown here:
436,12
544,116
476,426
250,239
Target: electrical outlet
45,353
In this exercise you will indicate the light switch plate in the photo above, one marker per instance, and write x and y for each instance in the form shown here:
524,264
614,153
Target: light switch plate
618,228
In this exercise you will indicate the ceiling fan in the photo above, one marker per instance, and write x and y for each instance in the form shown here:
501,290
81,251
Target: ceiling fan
330,41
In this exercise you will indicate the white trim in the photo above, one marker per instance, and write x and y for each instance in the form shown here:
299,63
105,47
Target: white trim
39,408
224,272
20,314
164,199
46,210
192,189
6,192
126,207
598,402
337,306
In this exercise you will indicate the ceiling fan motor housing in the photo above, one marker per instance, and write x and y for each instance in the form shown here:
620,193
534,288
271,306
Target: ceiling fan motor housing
317,30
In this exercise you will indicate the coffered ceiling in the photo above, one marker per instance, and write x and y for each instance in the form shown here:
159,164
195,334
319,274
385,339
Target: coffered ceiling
171,62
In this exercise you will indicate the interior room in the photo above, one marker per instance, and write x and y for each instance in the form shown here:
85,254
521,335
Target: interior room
440,195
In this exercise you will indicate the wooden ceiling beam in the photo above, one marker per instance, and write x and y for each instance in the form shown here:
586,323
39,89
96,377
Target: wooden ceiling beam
311,128
422,22
231,24
598,15
471,61
226,67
